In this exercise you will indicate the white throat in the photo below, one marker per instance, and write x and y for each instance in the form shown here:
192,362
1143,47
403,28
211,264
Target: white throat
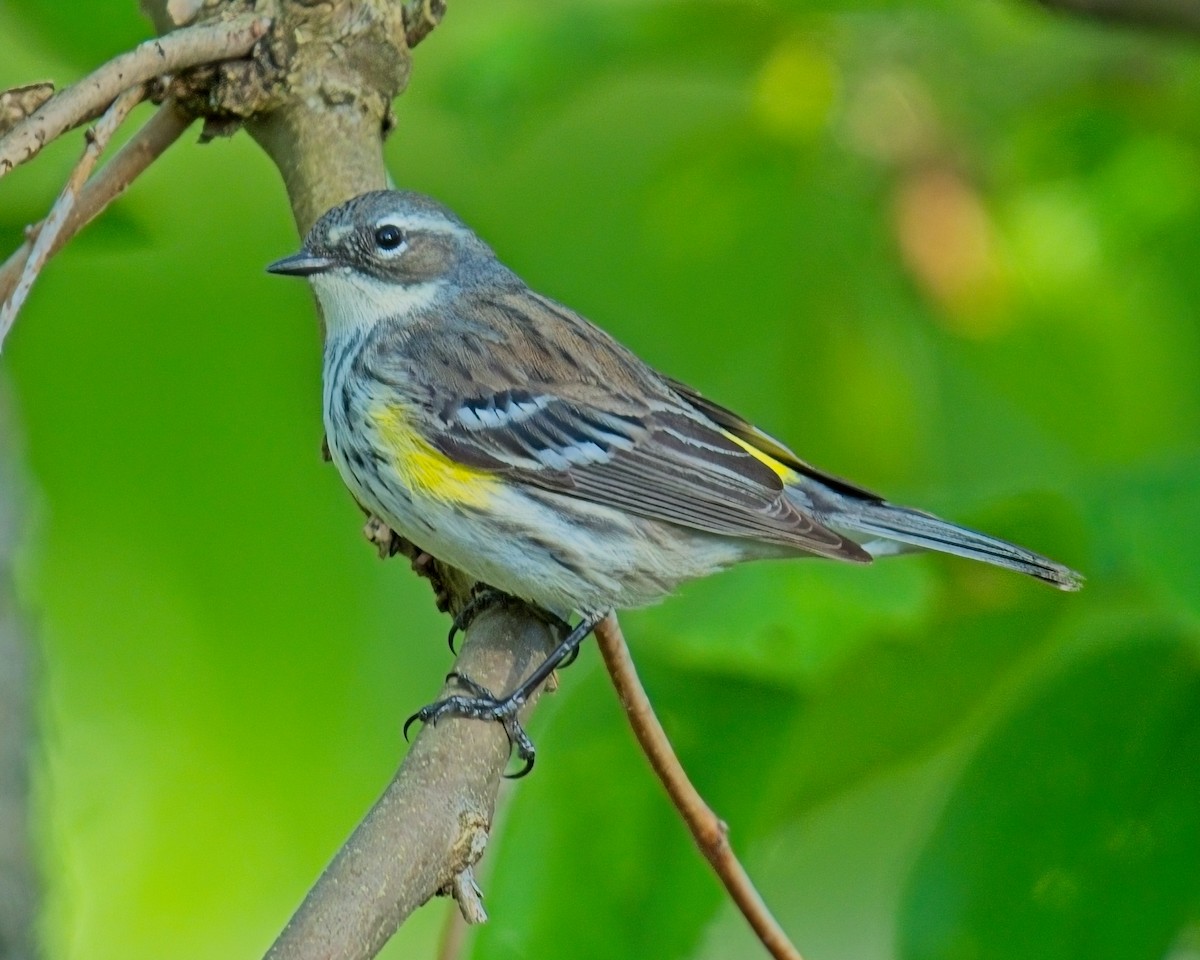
353,301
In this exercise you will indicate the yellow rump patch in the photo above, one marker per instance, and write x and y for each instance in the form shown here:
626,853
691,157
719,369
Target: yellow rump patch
425,470
781,470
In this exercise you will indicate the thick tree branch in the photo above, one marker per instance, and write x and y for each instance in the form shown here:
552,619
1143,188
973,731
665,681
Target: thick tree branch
86,99
431,824
346,62
150,142
323,127
60,213
709,831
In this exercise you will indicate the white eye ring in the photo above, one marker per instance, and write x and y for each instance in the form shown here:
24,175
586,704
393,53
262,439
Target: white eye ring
390,240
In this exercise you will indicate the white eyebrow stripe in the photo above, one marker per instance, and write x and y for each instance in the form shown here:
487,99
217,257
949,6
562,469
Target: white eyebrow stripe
418,222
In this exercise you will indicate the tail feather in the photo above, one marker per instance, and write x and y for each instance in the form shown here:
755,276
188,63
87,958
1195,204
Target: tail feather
914,528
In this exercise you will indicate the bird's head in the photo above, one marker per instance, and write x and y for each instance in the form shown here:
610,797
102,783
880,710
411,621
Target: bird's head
386,254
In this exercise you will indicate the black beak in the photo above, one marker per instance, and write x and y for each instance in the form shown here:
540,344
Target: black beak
302,264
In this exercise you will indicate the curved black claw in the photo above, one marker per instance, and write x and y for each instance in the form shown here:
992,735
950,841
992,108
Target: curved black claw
480,704
570,658
483,598
408,723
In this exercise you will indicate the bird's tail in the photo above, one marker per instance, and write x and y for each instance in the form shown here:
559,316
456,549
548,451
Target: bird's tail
884,528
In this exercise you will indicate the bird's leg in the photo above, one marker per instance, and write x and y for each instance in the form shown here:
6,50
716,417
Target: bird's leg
481,704
564,630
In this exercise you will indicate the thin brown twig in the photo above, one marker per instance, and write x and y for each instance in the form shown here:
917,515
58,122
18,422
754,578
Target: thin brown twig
189,47
126,165
97,140
708,830
454,935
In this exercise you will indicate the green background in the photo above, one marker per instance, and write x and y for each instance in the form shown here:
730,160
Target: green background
947,250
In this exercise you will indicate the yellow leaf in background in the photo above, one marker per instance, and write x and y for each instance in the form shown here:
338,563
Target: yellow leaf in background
795,90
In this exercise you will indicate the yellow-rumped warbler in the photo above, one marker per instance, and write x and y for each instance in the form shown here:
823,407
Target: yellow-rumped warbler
506,435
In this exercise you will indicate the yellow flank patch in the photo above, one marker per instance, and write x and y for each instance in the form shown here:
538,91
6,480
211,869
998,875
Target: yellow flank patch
425,470
781,470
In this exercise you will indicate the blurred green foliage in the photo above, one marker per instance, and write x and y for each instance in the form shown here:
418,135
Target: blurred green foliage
946,250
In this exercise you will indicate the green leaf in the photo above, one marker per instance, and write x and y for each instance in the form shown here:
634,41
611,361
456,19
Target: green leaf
1154,528
1072,833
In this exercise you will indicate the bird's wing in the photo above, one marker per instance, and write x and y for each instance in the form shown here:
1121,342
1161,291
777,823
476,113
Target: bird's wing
765,443
606,429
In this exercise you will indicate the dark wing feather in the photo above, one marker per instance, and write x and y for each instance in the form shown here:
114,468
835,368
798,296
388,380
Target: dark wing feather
763,441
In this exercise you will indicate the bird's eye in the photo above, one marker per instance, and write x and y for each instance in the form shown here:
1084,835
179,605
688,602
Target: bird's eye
389,237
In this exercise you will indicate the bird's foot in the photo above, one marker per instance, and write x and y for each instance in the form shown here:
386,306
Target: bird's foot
479,703
482,598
